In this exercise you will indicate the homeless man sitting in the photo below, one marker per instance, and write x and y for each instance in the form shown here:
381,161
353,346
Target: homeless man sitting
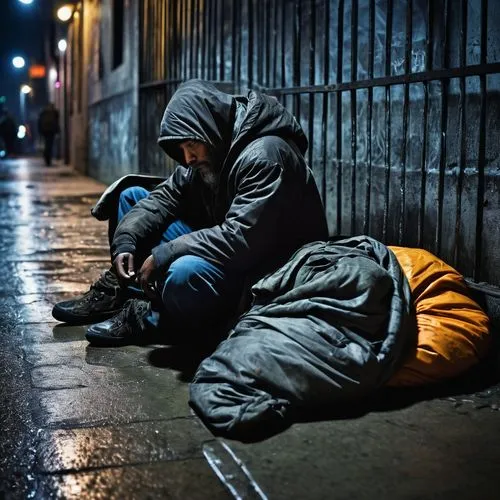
239,204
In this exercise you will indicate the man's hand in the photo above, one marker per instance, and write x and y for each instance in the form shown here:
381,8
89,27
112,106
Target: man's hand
124,265
146,278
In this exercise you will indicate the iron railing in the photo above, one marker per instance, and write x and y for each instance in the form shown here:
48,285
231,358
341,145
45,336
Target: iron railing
399,99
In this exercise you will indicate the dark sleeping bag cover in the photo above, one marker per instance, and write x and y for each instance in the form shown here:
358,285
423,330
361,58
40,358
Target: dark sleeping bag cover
332,324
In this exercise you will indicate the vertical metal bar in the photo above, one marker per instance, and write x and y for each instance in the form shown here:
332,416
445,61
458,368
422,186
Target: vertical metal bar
171,39
354,113
406,98
166,41
197,47
178,29
148,43
481,163
192,38
275,46
312,71
182,40
340,55
463,128
152,41
142,39
283,43
236,34
187,41
260,42
444,132
387,152
213,37
222,18
326,78
158,46
371,45
250,43
269,44
233,42
158,62
296,56
204,43
140,111
176,54
163,38
423,169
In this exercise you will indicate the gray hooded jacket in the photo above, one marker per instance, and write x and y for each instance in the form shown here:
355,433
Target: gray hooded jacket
266,204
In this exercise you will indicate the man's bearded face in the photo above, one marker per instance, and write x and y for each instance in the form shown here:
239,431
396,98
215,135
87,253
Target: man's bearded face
197,156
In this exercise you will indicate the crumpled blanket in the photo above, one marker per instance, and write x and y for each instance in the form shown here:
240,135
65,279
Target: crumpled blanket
332,324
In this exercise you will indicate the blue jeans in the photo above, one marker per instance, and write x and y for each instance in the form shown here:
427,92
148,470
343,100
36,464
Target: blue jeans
195,293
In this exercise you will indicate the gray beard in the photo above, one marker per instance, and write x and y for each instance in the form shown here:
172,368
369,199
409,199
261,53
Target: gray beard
209,177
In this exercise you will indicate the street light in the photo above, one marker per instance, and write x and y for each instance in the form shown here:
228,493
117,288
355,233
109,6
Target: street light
26,2
62,45
65,12
23,92
18,62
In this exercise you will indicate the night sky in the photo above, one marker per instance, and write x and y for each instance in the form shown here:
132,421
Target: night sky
21,33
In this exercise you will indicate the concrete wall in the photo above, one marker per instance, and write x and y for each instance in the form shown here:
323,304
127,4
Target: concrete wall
77,87
112,92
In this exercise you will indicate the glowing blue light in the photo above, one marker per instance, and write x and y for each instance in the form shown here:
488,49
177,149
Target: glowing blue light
18,62
2,153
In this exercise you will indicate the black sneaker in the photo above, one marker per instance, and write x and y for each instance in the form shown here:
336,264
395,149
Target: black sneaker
127,327
104,299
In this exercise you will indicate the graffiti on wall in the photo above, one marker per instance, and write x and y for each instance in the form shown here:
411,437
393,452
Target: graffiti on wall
113,138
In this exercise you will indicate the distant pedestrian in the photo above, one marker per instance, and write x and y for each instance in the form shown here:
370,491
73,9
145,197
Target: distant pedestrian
48,128
8,131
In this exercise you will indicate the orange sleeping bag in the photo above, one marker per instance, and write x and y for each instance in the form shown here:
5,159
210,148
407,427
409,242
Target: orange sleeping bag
453,330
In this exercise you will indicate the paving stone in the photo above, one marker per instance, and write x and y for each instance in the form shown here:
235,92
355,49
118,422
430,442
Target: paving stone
51,351
43,333
142,399
67,450
64,353
77,373
178,480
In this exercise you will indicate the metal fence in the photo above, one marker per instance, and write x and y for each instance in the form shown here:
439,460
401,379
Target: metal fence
399,99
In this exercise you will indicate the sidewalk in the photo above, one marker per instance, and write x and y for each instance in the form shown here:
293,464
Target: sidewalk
85,422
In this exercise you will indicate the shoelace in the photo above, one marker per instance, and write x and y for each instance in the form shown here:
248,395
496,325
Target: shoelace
106,281
132,315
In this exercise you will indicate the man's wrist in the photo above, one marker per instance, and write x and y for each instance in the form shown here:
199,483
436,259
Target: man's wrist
122,249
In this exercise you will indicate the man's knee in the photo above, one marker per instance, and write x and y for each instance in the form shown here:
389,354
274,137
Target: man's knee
128,198
192,272
192,285
133,194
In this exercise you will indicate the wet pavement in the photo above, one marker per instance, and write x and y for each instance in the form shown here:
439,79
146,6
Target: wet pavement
85,422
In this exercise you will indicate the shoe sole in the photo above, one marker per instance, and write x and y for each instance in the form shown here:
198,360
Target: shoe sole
73,319
100,341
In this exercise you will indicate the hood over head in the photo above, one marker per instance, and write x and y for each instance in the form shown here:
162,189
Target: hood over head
198,111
